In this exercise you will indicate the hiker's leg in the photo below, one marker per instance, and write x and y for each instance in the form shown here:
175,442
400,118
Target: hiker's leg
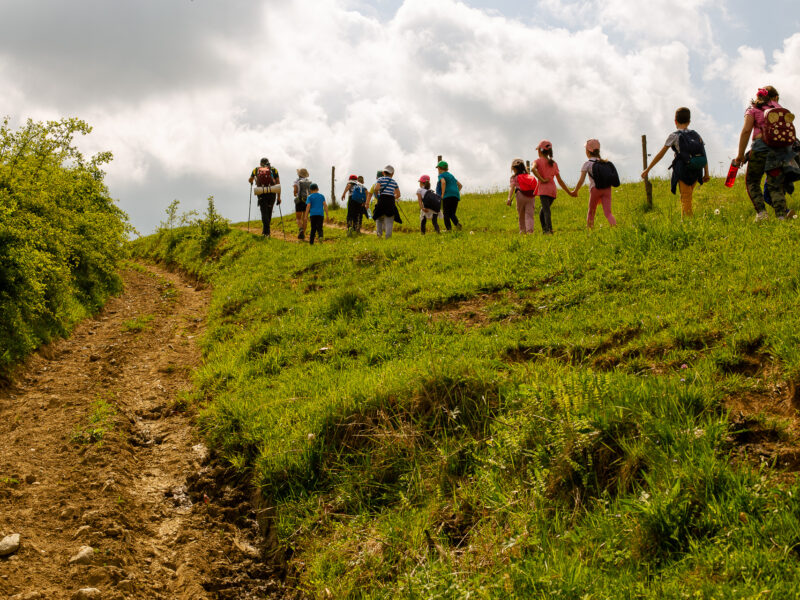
422,220
436,222
686,198
594,199
605,199
266,204
521,213
359,217
545,215
313,232
388,225
776,186
752,179
453,216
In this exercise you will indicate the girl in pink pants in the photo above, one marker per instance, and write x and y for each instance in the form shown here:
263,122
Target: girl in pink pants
526,201
596,195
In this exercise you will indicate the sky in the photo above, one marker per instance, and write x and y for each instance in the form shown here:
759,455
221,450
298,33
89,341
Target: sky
189,94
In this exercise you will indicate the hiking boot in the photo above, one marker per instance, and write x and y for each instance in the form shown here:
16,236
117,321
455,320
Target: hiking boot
301,235
789,215
762,216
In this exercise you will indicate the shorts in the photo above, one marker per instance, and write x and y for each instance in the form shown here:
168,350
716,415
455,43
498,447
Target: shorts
299,207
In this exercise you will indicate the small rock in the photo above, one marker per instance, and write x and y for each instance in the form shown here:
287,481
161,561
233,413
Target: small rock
29,479
94,358
83,557
28,596
81,530
9,544
87,594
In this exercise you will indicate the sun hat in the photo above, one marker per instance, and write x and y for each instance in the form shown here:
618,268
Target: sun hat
424,178
352,178
544,145
592,145
442,165
302,172
388,169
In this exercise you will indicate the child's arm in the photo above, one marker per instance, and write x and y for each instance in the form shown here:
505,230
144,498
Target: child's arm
563,185
443,184
578,185
325,208
308,209
538,175
655,160
346,189
419,200
511,194
458,183
744,137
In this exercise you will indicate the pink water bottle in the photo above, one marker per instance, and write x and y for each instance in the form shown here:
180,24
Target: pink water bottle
731,178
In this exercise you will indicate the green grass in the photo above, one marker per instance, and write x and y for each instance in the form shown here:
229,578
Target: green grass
488,415
138,324
99,423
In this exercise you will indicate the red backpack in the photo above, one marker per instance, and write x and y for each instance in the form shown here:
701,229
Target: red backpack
779,131
527,184
264,177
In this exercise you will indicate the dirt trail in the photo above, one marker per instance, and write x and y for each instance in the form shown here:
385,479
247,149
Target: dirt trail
96,451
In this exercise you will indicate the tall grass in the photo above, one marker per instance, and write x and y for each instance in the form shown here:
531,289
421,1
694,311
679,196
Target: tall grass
483,414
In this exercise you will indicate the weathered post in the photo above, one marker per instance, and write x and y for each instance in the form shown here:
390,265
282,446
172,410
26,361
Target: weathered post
439,159
648,187
334,204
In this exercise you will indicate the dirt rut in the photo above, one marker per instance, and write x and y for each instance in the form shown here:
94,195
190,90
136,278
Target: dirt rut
96,449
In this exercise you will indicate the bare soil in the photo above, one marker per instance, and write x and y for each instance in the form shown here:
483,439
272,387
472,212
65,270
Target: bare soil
98,447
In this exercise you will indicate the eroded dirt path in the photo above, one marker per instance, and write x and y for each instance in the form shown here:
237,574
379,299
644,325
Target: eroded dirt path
96,451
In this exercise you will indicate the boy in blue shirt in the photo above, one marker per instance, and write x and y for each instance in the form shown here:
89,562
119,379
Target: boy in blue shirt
316,211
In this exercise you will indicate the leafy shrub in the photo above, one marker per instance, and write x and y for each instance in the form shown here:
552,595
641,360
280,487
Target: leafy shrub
61,235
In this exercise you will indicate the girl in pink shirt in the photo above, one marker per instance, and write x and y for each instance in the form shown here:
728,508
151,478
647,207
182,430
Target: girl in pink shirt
596,195
546,171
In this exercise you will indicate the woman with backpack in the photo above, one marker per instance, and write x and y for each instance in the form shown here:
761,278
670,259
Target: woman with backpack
599,189
428,201
526,198
301,191
767,155
546,171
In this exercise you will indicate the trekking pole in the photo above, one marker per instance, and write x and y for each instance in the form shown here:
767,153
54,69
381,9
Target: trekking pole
249,204
405,218
280,212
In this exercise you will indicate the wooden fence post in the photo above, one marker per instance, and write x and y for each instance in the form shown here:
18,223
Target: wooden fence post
334,204
648,187
438,159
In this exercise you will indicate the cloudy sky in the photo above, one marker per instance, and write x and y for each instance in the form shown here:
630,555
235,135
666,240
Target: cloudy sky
189,94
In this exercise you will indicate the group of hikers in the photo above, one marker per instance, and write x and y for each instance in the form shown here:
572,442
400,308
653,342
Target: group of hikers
774,153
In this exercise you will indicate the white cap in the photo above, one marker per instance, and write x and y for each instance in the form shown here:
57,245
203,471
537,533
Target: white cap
388,169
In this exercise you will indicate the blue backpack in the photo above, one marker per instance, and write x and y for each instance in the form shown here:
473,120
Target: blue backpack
358,193
692,150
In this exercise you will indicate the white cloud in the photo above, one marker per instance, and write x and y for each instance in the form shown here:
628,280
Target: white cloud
315,83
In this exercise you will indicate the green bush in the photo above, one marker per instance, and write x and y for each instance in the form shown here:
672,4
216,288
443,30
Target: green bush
61,235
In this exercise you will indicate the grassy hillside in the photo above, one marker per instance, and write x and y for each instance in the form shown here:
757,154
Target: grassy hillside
602,414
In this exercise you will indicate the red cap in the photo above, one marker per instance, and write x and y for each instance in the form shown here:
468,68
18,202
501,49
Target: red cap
353,178
424,178
544,145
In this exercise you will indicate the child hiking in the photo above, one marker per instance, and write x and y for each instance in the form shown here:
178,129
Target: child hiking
773,136
523,187
449,188
356,199
265,176
316,211
301,191
546,171
430,203
690,165
385,212
602,177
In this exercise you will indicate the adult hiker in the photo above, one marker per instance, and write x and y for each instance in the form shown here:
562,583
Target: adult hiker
265,176
356,195
449,188
385,212
301,192
771,153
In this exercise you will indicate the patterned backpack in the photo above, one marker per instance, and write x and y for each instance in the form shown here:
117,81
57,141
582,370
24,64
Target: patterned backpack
779,131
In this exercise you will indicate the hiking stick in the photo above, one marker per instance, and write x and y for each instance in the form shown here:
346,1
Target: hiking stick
405,218
249,205
280,212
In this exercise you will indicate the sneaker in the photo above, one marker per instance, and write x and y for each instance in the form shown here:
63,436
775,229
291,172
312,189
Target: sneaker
301,235
789,215
458,227
762,216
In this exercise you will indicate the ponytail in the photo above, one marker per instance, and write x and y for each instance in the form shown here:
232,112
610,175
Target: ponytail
548,153
765,95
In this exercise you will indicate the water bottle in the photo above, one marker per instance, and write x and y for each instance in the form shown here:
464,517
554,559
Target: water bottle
731,178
